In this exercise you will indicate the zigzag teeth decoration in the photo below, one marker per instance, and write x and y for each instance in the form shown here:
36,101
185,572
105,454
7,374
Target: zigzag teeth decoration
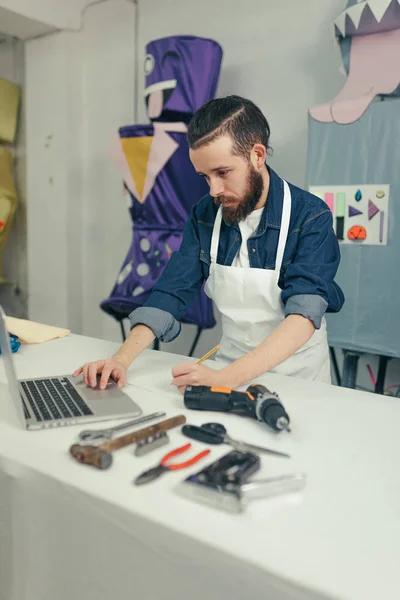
340,22
355,13
377,7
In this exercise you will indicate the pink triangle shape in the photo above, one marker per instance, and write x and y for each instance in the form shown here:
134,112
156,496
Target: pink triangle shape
372,209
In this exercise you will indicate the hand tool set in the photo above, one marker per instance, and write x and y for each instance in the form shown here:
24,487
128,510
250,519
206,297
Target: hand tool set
224,483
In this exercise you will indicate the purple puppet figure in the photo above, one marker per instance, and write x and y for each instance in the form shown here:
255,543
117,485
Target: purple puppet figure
182,73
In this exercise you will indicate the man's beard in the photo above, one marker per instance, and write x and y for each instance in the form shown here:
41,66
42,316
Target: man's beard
255,187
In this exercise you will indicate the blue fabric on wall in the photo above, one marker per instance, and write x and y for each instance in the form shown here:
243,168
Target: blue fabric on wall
364,152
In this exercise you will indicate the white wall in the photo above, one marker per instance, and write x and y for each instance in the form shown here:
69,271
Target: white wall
279,54
79,89
27,19
13,297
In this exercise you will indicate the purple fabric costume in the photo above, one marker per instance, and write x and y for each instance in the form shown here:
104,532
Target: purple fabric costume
181,74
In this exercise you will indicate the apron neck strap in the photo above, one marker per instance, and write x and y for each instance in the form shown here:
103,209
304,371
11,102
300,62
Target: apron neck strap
286,210
215,236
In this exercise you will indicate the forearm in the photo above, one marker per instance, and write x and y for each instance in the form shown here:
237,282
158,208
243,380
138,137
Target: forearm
139,338
285,340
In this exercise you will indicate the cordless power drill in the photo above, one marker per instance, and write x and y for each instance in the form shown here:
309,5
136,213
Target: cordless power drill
257,402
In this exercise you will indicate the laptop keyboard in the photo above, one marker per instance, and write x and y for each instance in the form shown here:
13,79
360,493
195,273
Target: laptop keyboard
54,399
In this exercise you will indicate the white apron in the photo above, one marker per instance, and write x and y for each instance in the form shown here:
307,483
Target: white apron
250,304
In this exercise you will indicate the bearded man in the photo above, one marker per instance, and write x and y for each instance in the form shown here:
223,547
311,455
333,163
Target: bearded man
268,255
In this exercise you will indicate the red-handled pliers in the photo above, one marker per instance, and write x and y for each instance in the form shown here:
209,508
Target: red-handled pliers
155,472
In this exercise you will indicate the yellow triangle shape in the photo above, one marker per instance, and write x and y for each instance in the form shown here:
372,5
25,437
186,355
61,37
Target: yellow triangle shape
137,152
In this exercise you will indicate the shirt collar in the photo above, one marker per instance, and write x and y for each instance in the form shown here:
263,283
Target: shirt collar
274,204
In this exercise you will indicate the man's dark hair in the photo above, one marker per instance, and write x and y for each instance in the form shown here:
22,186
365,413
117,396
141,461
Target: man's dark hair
237,117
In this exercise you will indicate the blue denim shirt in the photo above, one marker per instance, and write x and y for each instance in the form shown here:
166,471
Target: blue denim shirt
310,260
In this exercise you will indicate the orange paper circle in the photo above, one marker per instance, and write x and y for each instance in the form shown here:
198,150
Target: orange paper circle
357,233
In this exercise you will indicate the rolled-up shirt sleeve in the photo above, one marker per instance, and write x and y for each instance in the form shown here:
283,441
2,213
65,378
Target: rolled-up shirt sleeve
164,326
308,286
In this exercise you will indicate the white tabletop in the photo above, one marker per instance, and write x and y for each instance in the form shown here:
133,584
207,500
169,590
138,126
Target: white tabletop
338,539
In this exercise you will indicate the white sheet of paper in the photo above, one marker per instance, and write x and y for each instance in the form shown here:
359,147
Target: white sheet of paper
362,210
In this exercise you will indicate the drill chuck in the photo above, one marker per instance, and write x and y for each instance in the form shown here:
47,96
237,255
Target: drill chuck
282,423
269,408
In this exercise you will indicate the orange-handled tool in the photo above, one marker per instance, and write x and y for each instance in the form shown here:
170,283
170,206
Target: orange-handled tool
257,402
165,465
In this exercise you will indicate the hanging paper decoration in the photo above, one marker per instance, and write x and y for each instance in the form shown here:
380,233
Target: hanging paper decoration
381,225
340,201
368,33
354,211
357,233
372,209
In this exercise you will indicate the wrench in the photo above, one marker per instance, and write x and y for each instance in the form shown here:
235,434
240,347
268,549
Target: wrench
96,434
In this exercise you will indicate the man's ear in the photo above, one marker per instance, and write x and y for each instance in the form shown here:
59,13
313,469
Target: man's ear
259,155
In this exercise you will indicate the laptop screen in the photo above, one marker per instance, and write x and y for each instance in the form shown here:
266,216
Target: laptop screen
7,359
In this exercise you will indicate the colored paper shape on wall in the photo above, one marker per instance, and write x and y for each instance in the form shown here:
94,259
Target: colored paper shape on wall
357,233
381,225
372,209
353,212
358,225
340,204
329,199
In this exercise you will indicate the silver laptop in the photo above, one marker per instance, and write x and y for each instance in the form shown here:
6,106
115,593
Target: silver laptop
57,401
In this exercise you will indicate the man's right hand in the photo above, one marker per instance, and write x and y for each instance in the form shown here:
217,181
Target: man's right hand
108,368
116,366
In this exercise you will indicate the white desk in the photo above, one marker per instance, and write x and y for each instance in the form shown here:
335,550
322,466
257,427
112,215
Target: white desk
71,532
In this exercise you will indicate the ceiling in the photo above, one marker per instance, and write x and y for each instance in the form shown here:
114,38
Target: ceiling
18,26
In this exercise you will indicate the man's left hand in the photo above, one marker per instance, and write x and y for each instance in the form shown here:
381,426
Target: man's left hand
191,373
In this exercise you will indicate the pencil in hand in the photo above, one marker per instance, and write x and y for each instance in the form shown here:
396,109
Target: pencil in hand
210,353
